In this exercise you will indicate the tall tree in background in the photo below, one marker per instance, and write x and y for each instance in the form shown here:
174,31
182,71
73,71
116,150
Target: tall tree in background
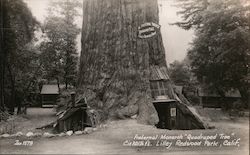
2,57
17,30
220,52
59,48
179,73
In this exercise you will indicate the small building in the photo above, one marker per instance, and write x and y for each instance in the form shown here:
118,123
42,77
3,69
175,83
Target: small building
176,115
49,95
76,117
166,109
172,112
211,99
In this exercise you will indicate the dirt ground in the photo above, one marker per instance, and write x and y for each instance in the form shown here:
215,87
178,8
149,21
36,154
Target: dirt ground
35,118
112,139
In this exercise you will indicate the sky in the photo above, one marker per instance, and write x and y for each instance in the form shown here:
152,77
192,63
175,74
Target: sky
176,40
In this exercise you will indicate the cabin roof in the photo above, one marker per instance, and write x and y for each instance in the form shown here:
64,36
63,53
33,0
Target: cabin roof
80,104
69,112
158,73
50,89
203,92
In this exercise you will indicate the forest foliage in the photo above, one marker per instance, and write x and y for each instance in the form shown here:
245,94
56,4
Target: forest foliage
33,53
220,52
59,47
18,56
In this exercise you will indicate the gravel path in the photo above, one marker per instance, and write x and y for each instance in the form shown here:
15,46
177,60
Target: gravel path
110,140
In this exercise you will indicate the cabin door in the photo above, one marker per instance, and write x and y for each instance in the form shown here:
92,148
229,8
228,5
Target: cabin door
167,115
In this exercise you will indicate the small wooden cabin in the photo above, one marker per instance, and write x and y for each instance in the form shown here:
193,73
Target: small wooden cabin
73,119
172,113
166,110
211,99
175,115
76,117
49,95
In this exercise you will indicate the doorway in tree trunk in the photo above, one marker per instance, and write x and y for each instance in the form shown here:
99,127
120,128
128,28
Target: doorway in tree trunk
175,115
167,114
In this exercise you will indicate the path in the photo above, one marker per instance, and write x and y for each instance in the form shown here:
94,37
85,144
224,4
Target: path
110,140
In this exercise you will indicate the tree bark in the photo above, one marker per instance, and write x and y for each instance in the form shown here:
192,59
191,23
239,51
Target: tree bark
114,63
11,105
2,56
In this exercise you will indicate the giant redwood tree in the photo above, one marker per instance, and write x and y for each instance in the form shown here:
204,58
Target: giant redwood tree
115,61
121,41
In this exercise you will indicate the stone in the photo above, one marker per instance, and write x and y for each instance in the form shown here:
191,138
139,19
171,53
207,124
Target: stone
19,134
48,135
5,135
69,133
134,116
37,134
30,134
61,134
88,130
78,132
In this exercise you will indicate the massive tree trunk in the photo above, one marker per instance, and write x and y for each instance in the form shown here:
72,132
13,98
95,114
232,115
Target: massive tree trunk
115,62
11,104
2,56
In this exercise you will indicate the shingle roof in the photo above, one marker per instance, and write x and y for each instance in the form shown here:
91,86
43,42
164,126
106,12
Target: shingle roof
50,89
158,73
66,114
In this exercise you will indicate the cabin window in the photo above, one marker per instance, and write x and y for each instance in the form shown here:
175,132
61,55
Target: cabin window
165,84
49,98
159,88
161,85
